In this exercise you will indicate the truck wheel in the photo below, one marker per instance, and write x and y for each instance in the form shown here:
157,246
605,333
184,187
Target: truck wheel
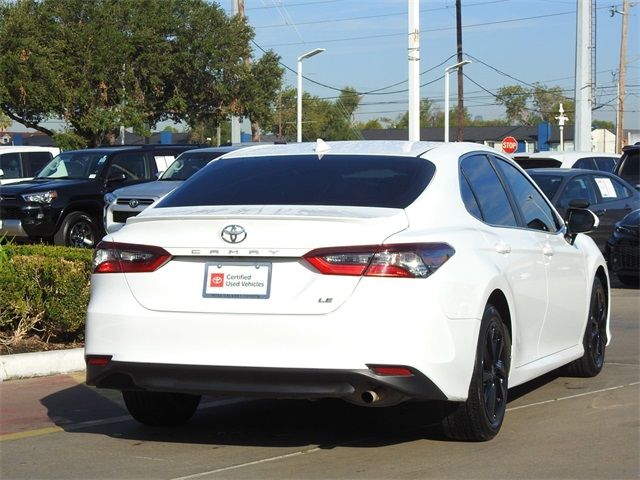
77,230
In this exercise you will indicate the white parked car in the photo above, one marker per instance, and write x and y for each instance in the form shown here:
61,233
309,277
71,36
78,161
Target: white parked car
605,162
375,272
23,162
129,201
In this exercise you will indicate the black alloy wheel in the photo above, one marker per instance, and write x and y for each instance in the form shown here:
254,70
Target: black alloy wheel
595,336
77,230
494,374
480,417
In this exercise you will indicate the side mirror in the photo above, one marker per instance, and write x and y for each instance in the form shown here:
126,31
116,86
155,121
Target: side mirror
579,203
580,220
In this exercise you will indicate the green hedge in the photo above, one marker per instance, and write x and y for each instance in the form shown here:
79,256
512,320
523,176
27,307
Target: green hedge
44,291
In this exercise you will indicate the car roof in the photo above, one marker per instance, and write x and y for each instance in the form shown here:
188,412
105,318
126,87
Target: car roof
26,148
361,147
223,149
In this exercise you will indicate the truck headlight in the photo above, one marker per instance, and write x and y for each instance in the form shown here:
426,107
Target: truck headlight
41,197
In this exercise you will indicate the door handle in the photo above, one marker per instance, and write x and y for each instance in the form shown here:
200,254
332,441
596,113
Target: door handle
547,251
503,248
627,207
600,212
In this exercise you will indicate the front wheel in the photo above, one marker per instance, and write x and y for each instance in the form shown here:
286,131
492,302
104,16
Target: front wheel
481,416
160,409
595,336
77,230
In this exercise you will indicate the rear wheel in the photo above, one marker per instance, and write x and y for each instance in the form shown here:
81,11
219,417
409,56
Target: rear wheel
77,230
160,408
481,416
595,336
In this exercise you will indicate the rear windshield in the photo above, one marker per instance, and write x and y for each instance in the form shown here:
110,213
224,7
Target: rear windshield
187,164
538,162
344,180
548,183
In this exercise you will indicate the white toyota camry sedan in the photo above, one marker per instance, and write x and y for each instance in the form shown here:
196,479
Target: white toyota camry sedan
374,272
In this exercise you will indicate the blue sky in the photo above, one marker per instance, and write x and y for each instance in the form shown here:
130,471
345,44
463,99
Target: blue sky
510,42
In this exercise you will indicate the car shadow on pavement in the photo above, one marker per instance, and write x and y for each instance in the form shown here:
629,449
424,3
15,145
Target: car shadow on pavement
273,423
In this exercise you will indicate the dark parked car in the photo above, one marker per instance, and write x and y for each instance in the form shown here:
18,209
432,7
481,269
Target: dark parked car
628,167
63,203
609,197
623,249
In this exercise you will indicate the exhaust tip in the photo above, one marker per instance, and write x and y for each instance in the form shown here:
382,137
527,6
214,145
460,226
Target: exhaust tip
369,397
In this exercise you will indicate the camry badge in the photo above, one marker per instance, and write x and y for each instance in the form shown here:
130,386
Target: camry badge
233,234
133,203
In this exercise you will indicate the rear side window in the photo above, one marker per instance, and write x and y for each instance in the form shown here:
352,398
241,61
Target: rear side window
586,163
344,180
487,191
11,165
35,161
611,189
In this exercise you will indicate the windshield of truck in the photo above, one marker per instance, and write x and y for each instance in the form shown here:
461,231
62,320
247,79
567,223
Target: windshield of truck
74,165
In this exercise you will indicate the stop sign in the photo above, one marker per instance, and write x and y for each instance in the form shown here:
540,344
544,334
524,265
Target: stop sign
509,144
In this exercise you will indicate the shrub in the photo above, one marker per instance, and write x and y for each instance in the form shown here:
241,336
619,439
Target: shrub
45,292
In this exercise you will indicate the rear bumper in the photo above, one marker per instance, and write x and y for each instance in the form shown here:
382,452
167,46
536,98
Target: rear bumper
263,382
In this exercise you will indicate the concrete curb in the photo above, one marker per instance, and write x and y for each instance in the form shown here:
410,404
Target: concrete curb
38,364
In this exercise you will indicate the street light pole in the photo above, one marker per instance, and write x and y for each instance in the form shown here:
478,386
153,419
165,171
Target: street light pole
446,95
299,113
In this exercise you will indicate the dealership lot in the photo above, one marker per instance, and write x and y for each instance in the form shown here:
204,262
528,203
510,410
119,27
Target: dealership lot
557,427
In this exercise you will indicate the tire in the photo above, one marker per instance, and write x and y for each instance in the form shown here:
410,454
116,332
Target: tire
77,230
595,336
481,416
160,409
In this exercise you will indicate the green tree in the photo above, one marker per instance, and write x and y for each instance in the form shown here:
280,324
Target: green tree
99,64
514,98
429,116
547,103
321,118
603,124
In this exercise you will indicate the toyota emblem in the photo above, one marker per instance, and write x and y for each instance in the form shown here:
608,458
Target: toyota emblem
233,234
133,203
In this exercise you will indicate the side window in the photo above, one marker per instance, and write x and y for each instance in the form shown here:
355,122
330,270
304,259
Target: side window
35,161
11,165
577,188
487,189
468,198
605,164
586,163
610,189
133,165
536,212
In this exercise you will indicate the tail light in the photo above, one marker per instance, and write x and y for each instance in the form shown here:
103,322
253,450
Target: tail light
417,260
111,257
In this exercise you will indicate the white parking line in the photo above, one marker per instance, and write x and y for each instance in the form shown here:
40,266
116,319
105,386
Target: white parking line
317,449
573,396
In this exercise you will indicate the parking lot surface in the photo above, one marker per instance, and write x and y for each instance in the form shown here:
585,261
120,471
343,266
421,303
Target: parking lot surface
556,427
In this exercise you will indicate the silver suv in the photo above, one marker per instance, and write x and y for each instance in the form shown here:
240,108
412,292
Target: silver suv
130,201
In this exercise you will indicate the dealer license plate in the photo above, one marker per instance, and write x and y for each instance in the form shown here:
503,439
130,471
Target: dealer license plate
237,280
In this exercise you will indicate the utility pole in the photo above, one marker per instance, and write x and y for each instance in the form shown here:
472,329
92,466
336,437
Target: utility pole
582,140
621,75
237,8
460,110
414,70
